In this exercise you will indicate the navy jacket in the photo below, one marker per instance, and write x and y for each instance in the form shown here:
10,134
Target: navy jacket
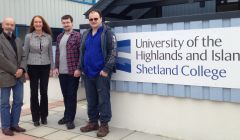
108,45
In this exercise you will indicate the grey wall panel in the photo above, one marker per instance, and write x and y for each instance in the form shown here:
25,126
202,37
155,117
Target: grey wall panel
185,91
120,86
196,24
162,89
113,85
196,92
235,22
146,28
170,88
132,29
178,26
216,94
226,94
161,27
235,95
133,86
217,23
147,88
179,91
206,93
139,87
226,23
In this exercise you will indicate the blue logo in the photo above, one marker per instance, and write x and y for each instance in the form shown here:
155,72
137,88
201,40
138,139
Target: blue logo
124,64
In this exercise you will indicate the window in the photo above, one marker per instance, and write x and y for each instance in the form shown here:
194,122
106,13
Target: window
227,5
85,1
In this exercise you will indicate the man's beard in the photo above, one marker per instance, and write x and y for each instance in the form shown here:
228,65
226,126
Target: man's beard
67,29
8,32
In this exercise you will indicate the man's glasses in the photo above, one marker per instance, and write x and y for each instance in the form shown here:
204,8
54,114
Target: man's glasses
91,19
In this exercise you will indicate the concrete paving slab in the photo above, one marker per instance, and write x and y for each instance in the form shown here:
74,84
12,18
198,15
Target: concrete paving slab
144,136
26,118
61,135
83,137
77,130
17,136
41,131
117,133
58,109
28,126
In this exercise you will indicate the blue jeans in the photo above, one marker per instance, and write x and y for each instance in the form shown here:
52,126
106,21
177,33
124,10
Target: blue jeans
98,98
69,86
11,118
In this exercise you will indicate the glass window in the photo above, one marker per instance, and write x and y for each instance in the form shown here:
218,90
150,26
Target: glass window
227,5
85,1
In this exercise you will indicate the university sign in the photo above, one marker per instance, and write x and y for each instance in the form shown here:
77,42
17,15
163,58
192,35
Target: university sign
201,57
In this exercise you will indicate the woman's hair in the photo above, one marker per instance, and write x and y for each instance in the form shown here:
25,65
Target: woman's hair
45,27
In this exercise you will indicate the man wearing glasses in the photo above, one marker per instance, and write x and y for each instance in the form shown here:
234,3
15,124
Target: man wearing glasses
97,62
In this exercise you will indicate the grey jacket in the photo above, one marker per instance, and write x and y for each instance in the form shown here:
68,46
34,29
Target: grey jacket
108,45
36,54
10,62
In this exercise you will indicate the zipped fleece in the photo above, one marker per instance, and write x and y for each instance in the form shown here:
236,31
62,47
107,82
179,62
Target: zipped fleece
108,46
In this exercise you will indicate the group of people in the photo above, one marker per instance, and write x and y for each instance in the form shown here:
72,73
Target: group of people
90,56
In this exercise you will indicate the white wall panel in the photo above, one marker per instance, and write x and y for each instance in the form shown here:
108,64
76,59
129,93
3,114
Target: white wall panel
52,10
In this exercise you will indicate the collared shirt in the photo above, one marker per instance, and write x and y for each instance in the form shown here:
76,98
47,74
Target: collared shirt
38,49
72,50
93,57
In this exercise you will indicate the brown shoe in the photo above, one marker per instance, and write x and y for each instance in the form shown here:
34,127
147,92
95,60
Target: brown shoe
91,126
18,129
7,132
103,130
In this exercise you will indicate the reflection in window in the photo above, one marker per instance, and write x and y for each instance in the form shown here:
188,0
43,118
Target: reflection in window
85,1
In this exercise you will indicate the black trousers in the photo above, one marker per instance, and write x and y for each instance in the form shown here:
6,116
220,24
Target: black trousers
39,75
69,87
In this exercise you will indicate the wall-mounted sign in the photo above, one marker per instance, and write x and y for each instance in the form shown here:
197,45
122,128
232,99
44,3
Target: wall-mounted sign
201,57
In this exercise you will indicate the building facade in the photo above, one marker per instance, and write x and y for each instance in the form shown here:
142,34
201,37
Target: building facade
52,10
180,111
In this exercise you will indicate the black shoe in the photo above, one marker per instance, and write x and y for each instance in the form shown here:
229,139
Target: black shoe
44,121
62,121
70,125
36,123
7,132
18,129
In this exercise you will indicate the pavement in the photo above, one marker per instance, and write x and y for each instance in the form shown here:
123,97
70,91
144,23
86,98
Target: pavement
53,131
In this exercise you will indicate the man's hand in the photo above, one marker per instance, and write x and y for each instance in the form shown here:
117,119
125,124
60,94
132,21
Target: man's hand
19,73
26,76
55,72
103,74
50,73
77,73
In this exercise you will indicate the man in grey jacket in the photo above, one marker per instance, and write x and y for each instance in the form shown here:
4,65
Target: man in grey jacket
12,67
97,62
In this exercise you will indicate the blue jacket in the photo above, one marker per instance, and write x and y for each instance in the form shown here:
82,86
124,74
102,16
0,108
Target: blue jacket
108,45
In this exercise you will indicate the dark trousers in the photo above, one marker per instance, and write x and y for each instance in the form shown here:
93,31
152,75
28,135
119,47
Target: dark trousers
98,98
69,86
39,74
